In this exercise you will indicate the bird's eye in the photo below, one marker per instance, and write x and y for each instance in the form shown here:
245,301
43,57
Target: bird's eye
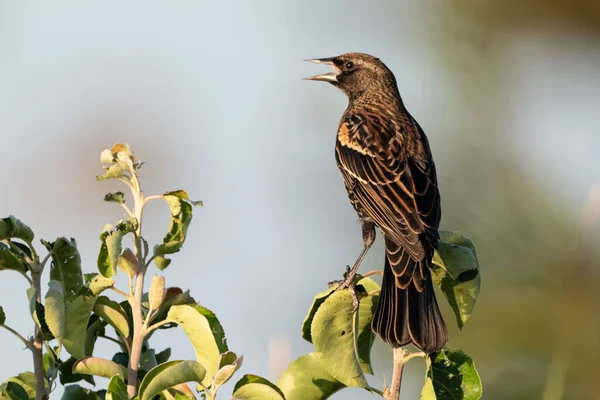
349,65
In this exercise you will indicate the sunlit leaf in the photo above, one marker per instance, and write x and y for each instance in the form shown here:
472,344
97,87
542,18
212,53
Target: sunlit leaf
252,387
306,379
317,301
117,389
451,375
364,336
67,376
55,309
99,367
181,216
455,269
66,265
98,283
25,380
156,293
179,392
204,332
112,313
168,375
228,365
110,248
333,336
112,172
128,263
77,315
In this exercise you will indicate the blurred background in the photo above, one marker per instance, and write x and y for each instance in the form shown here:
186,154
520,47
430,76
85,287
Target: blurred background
210,96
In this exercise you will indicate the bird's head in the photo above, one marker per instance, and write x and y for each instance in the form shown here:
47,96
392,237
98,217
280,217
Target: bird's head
355,74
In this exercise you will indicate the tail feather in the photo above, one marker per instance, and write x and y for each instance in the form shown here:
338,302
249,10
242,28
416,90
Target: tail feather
409,315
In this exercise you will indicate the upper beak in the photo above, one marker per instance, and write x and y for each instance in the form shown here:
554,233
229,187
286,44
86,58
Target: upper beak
329,76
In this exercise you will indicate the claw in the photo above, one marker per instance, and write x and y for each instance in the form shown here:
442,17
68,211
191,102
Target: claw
348,282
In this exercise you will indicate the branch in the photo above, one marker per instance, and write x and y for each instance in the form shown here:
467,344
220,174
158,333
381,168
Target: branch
393,393
135,297
119,291
36,343
18,335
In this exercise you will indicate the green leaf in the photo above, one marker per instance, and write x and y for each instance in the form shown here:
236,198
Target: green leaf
169,374
2,316
112,172
364,334
317,301
99,367
161,262
25,380
16,391
116,197
76,392
112,313
163,356
452,375
455,270
11,227
117,389
77,314
229,363
307,379
121,358
181,216
55,309
110,247
204,332
66,265
367,284
179,392
156,293
148,360
95,328
38,313
9,260
99,283
333,336
252,387
128,263
67,376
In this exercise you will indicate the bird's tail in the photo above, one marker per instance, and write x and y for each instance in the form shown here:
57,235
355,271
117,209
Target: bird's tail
408,315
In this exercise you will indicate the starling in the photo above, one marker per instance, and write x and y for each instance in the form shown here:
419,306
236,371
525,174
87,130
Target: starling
388,171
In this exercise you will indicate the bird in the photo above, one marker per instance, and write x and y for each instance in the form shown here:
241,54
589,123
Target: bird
391,181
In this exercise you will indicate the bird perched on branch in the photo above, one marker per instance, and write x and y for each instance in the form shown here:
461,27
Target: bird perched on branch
390,177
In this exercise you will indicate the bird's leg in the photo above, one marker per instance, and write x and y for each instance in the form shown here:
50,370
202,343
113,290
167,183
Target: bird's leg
368,232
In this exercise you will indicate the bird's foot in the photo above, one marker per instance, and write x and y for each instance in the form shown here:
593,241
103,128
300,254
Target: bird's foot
347,282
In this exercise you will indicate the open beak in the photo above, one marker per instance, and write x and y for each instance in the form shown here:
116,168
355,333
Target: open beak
329,76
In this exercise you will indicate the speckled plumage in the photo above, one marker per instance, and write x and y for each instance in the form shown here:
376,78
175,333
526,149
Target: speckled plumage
390,176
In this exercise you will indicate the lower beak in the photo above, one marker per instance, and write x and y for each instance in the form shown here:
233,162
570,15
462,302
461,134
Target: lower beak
329,76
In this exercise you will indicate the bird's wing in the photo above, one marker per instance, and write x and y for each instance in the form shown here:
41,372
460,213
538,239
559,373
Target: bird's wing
397,191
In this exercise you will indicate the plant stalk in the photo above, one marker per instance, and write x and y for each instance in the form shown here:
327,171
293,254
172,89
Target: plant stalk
36,343
394,391
135,300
